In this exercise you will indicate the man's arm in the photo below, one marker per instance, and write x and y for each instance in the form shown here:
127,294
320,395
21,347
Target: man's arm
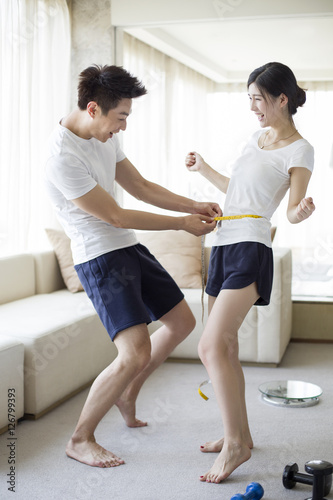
132,181
100,204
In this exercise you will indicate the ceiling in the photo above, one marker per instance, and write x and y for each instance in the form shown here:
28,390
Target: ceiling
226,48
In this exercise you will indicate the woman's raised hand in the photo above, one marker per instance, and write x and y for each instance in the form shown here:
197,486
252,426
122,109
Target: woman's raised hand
193,161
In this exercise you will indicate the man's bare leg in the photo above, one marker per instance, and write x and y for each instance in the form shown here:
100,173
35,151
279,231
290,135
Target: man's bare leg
177,324
134,351
218,350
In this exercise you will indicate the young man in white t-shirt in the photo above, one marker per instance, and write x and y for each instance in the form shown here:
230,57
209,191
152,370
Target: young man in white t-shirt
126,284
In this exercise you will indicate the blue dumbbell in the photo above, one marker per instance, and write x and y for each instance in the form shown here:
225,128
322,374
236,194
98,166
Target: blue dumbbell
254,491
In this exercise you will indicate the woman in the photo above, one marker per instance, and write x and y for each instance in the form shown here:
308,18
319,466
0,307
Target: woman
241,265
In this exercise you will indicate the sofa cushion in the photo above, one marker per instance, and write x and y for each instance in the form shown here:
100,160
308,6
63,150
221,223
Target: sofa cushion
62,248
48,275
179,253
43,313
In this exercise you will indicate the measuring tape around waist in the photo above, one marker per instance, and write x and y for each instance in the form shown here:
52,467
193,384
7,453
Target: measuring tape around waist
232,217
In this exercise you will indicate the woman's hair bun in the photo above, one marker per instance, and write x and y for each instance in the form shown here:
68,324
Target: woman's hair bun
301,96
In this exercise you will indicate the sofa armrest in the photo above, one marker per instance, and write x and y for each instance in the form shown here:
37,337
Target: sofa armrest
275,320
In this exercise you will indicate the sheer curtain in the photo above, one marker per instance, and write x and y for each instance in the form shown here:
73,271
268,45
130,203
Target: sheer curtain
34,83
183,111
172,119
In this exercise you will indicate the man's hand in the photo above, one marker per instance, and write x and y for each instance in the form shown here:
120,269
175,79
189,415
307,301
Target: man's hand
198,224
207,208
305,208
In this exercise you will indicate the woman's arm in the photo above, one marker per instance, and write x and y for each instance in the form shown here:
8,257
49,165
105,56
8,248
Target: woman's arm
299,207
195,163
132,181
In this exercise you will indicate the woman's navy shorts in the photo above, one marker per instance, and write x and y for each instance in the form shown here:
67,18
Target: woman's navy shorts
238,265
128,287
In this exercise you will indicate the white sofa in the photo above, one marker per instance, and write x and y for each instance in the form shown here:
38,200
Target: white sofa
65,344
52,343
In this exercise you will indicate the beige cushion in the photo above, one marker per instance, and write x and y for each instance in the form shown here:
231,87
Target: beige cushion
62,248
179,253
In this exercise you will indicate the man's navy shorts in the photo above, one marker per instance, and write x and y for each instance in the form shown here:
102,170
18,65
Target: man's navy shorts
238,265
128,287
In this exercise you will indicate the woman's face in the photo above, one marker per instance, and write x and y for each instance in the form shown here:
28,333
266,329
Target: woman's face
268,111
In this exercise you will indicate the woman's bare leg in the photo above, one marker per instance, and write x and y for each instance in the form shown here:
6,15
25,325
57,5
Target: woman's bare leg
216,445
218,350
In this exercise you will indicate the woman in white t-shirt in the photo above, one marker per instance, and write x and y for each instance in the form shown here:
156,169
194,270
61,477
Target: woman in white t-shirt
241,264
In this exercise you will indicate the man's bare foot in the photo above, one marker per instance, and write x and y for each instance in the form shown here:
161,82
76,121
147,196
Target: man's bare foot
90,453
231,457
216,446
127,409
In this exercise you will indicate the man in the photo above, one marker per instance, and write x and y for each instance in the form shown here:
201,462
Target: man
126,284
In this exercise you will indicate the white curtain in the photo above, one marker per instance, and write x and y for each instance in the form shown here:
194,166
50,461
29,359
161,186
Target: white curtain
184,112
34,92
172,119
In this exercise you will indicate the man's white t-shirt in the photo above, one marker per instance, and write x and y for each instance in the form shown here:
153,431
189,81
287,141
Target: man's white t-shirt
259,180
73,168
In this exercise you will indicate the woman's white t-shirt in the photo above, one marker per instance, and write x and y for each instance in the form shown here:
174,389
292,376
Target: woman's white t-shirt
73,168
259,180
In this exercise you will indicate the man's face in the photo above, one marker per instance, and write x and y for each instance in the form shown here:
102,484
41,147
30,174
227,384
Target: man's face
104,126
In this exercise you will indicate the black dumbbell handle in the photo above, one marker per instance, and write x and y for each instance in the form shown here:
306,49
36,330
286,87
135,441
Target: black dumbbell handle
303,478
316,482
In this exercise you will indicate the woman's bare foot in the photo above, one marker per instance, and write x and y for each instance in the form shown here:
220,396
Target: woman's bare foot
212,446
90,453
231,457
127,409
216,446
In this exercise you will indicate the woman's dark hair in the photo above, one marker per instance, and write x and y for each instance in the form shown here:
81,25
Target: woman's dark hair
274,79
107,85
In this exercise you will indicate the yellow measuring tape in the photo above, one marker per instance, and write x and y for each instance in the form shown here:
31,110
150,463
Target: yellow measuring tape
200,391
231,217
